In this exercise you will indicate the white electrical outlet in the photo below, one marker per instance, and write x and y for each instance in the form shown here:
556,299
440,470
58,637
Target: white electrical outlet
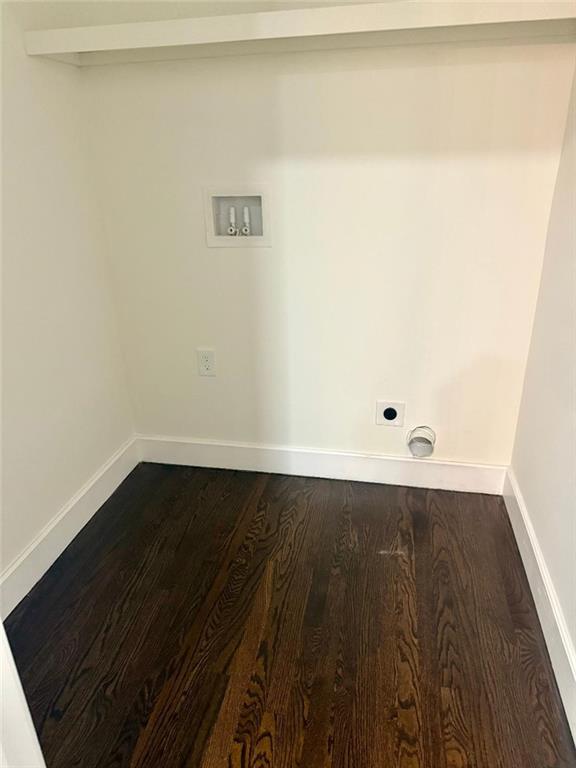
390,414
206,362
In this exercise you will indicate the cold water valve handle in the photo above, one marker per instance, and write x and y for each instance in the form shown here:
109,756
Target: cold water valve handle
246,220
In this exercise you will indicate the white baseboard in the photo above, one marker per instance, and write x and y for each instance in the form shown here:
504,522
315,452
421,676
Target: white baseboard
372,468
21,575
556,633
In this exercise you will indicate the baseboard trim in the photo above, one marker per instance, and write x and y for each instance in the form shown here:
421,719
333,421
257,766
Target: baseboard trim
372,468
21,575
560,644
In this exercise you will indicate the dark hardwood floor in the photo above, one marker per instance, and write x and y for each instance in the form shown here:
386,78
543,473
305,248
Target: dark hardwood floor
222,619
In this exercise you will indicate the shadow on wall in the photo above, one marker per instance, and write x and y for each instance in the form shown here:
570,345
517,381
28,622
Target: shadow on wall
410,189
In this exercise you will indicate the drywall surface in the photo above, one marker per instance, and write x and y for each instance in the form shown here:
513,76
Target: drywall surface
544,460
65,404
410,193
19,747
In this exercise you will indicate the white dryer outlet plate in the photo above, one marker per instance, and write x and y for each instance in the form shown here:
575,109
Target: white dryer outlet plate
390,414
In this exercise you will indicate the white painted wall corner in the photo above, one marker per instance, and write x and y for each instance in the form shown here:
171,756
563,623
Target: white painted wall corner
560,643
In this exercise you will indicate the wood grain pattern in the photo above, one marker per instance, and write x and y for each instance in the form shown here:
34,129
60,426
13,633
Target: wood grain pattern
216,619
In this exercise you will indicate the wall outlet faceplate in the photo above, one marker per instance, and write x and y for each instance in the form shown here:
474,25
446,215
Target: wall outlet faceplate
206,359
389,413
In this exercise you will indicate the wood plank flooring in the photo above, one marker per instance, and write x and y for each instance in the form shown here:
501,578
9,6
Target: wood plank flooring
216,619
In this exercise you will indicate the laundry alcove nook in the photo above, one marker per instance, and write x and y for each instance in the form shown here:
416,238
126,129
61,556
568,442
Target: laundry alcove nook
408,167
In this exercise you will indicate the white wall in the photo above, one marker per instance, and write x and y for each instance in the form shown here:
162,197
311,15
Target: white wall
65,404
412,188
411,195
544,460
19,746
